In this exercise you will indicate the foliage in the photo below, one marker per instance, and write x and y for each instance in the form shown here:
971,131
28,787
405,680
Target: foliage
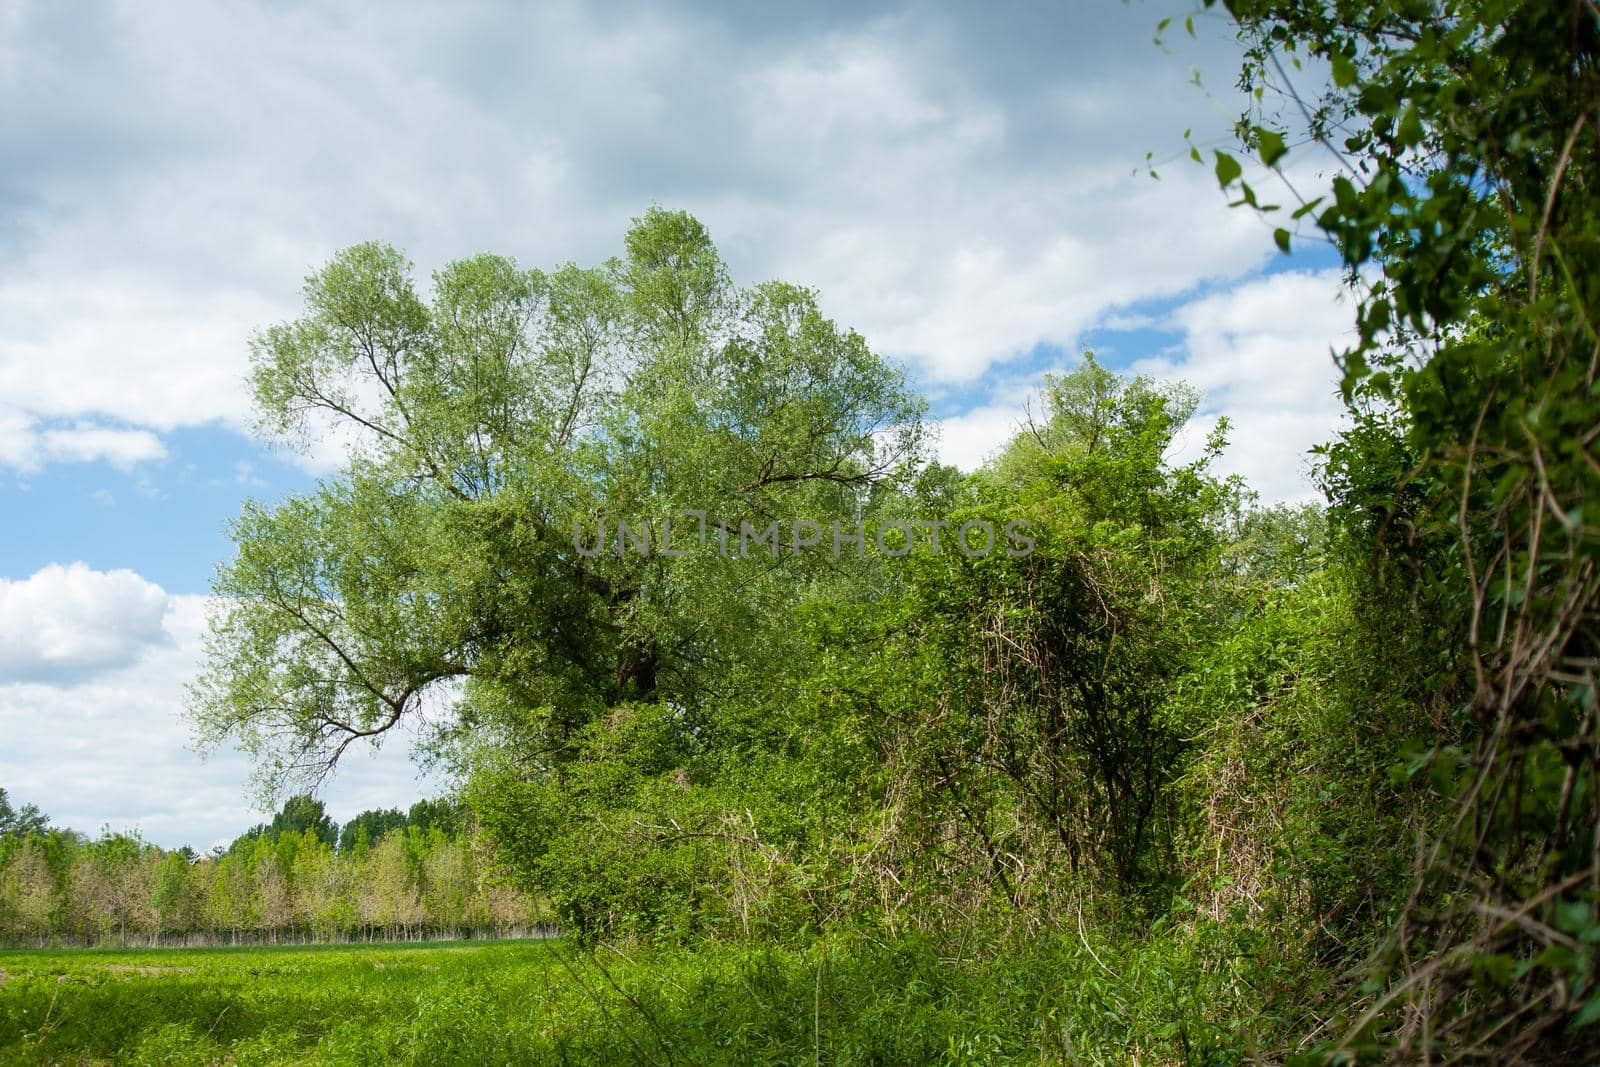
1464,139
1012,700
276,885
360,832
1145,750
299,815
494,424
29,819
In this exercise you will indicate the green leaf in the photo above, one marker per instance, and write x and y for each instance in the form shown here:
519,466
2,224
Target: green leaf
1557,958
1572,916
1228,168
1270,143
1344,71
1494,970
1410,130
1281,236
1307,208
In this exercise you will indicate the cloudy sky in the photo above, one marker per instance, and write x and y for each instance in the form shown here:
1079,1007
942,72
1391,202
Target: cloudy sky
963,183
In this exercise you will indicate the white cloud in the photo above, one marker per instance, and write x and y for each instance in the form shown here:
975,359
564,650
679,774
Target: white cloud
1262,354
1118,322
27,445
957,189
244,473
969,439
18,443
68,623
92,721
83,442
79,343
888,145
1019,278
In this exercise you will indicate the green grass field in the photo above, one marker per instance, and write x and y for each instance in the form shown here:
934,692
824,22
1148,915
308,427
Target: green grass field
515,1002
256,1005
546,1002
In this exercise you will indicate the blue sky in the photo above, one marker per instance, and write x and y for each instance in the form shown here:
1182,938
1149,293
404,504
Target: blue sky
964,187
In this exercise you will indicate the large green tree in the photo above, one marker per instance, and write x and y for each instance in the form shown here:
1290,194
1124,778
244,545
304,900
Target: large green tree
497,426
1021,695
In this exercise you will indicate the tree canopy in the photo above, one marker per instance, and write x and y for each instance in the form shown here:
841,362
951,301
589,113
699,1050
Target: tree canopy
14,821
489,424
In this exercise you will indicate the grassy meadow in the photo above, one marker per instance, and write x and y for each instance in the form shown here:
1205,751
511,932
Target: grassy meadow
547,1002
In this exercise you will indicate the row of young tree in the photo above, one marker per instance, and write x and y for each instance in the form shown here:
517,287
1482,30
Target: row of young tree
285,883
1344,764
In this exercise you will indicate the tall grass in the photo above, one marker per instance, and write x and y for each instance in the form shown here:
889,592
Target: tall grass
839,1002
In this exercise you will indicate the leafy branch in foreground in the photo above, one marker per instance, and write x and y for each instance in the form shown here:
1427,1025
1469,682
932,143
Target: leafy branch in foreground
1464,139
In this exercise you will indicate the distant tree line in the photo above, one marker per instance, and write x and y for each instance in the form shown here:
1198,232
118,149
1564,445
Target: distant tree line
302,812
385,875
